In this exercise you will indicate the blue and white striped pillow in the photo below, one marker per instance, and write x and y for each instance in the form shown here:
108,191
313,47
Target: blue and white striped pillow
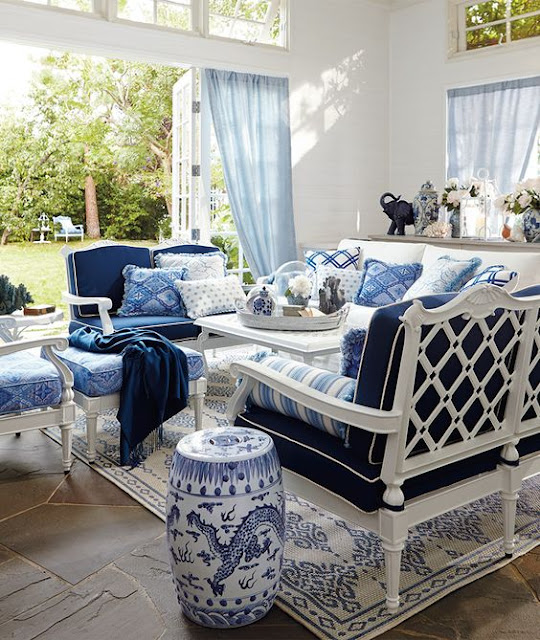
497,274
329,383
340,258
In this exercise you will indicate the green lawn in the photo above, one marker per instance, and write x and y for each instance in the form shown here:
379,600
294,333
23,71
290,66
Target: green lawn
41,268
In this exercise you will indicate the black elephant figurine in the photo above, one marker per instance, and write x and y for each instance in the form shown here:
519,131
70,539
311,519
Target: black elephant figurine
399,211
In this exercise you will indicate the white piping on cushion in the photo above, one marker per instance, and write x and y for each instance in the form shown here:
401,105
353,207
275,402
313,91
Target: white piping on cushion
301,444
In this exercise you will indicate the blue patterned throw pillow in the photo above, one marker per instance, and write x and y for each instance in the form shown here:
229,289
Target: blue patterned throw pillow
340,258
151,292
445,275
497,274
384,282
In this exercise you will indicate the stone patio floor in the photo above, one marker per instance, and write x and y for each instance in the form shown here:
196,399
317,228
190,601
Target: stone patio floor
81,559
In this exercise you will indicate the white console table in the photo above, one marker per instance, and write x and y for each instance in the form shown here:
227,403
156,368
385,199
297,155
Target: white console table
462,243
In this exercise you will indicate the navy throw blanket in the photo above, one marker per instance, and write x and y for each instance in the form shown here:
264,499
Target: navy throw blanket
154,386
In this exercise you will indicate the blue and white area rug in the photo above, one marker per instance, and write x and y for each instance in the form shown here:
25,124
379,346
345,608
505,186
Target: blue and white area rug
333,574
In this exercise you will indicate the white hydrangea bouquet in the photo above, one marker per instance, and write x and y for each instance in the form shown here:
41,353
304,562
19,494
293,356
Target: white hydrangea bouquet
298,290
525,196
452,194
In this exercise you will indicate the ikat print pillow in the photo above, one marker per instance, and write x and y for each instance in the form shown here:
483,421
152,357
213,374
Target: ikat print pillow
210,296
338,258
385,282
151,292
200,266
350,279
443,276
497,274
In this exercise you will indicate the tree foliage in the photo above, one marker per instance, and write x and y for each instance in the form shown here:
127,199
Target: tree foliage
486,13
104,120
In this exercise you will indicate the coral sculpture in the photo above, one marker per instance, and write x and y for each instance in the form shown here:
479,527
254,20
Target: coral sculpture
12,297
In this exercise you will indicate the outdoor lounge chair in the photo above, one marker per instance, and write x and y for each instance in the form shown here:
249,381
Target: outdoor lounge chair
68,229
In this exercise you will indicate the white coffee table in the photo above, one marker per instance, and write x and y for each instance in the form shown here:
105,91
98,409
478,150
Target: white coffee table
13,325
306,344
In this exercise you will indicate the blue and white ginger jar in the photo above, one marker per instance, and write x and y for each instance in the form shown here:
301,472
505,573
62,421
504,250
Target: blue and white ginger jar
261,302
425,207
226,525
531,225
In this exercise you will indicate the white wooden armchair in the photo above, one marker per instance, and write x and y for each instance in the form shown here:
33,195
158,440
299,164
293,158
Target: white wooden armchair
36,393
446,411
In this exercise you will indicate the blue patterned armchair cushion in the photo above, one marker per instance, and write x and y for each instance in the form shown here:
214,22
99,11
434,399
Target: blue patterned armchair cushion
329,383
152,292
443,276
100,374
352,346
28,382
497,275
384,282
340,258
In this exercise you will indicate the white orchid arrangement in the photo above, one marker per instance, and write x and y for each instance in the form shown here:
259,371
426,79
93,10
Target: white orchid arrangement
525,196
299,286
453,193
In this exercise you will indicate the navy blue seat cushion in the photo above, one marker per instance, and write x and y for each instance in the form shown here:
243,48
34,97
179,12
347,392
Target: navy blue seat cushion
98,272
322,458
171,327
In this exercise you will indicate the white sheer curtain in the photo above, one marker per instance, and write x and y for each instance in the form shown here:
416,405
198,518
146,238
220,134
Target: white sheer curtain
493,126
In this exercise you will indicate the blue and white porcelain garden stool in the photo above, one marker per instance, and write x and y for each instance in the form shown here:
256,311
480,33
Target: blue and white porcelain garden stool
226,525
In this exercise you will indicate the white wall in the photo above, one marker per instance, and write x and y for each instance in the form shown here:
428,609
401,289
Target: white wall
339,117
420,74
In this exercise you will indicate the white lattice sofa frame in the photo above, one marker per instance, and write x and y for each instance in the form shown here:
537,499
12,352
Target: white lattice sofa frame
62,415
398,464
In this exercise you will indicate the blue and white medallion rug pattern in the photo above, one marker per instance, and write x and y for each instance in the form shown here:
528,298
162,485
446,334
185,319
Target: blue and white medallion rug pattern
333,571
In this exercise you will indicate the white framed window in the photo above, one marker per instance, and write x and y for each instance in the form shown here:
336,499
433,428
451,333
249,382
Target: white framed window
479,25
254,22
86,6
177,14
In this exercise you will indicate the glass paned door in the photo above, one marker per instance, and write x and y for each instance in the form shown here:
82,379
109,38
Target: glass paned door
187,218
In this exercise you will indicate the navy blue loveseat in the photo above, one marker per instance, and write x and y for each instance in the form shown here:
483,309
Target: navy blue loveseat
96,287
447,387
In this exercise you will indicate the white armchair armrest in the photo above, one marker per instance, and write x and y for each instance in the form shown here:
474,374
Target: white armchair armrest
373,420
103,305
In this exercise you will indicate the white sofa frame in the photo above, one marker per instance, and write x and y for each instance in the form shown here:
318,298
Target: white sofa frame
392,526
92,406
62,415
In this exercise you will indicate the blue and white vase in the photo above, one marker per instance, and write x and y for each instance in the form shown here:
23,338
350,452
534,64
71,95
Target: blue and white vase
455,221
261,302
226,525
425,207
531,225
298,300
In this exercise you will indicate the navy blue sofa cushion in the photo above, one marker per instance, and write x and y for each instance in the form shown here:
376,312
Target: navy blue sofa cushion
98,272
323,459
379,367
171,327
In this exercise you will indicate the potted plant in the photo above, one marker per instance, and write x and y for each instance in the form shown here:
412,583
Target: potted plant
524,204
12,297
298,290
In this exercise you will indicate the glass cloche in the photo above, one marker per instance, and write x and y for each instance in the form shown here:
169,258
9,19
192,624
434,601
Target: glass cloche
285,273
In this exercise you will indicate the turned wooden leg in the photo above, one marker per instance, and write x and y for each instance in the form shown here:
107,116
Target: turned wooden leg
198,402
67,439
509,502
91,432
392,559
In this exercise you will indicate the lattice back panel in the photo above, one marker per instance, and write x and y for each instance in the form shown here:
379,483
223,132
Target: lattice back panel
531,408
462,383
